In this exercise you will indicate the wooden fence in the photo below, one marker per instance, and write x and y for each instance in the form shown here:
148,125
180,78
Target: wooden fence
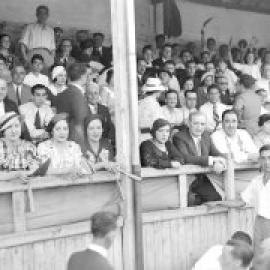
58,223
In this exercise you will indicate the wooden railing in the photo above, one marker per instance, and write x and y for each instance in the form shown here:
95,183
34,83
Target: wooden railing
62,206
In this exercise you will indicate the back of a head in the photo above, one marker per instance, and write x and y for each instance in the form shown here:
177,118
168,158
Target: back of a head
75,71
241,251
262,261
242,236
103,223
247,81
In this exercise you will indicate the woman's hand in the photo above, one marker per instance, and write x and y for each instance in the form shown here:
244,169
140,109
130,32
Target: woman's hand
111,166
176,164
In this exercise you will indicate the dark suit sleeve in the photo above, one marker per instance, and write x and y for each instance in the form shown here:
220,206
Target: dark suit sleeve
174,153
184,148
78,108
71,265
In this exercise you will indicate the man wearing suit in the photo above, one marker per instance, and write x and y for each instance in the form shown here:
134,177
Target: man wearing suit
6,105
197,148
104,229
73,102
103,53
166,54
19,92
94,107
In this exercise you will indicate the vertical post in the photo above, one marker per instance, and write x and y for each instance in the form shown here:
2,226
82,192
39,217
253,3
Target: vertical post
122,20
18,207
135,156
183,190
229,180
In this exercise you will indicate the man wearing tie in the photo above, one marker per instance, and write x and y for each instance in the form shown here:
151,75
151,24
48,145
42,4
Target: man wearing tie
19,92
213,109
197,148
37,113
103,53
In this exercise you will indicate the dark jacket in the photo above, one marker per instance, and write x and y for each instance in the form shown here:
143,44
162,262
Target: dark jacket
185,145
88,260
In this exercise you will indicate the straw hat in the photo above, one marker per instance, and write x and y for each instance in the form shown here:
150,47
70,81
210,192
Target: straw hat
153,85
206,74
57,70
7,119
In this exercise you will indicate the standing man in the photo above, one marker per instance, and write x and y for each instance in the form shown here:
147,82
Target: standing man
213,109
104,54
73,102
19,92
95,257
38,36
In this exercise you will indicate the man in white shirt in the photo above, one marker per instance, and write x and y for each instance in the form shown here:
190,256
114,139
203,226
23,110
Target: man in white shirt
35,76
172,114
256,194
38,35
213,109
235,142
264,82
37,113
190,104
211,259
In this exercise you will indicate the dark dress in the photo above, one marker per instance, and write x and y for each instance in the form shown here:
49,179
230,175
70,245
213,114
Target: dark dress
105,152
151,156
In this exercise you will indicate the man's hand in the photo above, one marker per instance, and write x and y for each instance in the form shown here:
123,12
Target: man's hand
218,167
176,164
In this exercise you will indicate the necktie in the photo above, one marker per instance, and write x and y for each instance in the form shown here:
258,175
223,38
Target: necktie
215,115
18,96
37,121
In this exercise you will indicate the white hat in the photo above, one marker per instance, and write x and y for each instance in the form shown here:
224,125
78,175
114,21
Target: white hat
7,119
153,85
206,74
96,65
57,70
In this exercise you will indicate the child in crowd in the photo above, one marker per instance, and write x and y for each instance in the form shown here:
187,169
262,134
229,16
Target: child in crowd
35,76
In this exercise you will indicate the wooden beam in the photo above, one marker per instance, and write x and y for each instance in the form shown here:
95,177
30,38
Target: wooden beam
122,55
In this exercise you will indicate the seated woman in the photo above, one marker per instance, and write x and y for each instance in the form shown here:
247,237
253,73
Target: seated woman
98,151
59,83
65,156
159,152
15,154
263,136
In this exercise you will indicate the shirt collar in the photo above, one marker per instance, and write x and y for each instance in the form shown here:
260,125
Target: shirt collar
80,87
99,249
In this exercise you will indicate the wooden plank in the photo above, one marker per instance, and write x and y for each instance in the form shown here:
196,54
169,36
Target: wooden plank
62,205
17,258
28,257
229,183
6,214
159,195
60,254
18,208
183,190
39,256
56,181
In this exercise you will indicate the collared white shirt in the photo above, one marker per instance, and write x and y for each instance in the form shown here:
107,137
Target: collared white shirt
99,249
207,109
240,145
38,36
93,108
29,110
31,79
210,259
174,116
252,70
78,86
257,194
264,84
2,108
174,84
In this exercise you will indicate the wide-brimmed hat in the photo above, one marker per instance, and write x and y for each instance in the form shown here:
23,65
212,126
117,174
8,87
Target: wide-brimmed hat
263,119
153,85
7,119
